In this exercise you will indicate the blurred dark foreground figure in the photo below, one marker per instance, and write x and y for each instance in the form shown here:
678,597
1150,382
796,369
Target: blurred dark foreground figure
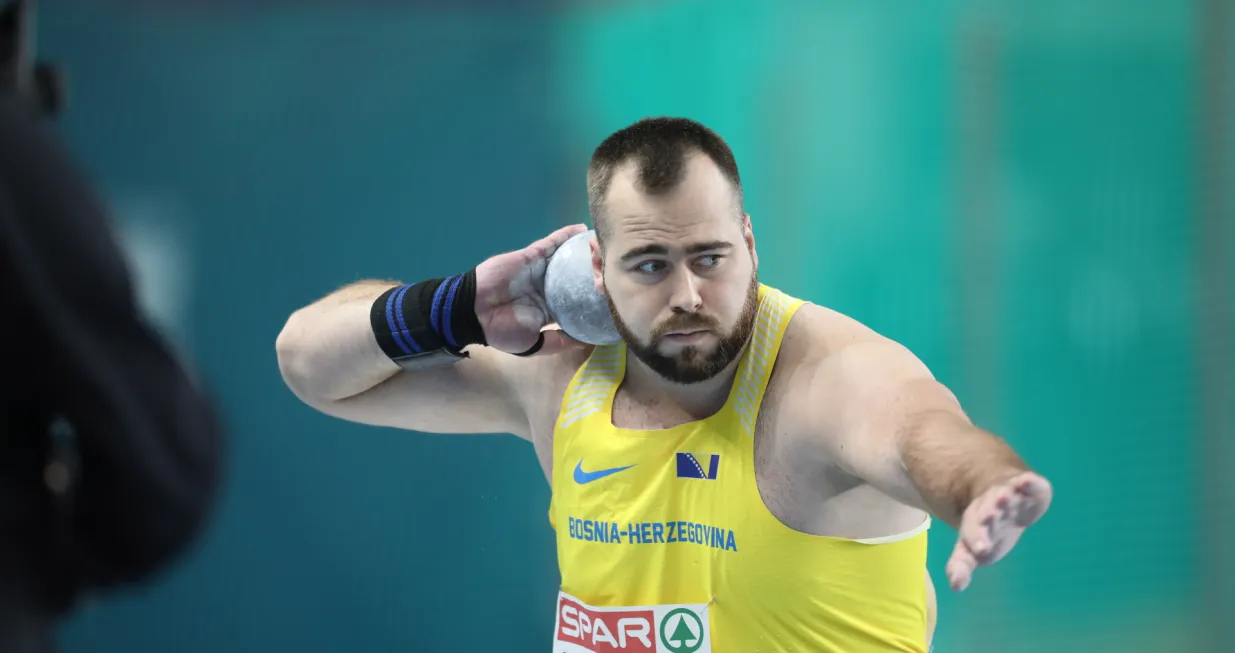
110,455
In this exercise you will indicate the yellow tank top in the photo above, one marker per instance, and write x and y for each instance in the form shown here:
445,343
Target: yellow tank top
665,545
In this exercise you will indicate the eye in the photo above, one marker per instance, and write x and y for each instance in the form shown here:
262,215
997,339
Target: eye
710,260
650,267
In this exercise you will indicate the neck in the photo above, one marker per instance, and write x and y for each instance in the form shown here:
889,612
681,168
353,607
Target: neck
698,399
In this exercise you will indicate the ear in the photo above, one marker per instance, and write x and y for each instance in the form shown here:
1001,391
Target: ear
748,235
598,266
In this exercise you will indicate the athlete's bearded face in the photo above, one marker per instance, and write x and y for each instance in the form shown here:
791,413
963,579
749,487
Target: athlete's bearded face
679,272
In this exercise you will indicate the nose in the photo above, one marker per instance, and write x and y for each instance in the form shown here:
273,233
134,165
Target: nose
685,298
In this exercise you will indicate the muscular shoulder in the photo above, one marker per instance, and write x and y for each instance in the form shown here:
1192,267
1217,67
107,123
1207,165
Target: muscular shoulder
819,337
835,366
821,331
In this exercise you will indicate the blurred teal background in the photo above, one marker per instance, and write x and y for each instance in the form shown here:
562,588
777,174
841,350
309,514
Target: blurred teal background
1034,197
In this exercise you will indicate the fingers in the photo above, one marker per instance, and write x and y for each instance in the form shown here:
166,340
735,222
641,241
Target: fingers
545,247
984,540
994,523
1034,495
960,566
990,527
1022,501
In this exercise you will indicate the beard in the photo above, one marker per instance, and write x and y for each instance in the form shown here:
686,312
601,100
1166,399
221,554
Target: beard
691,364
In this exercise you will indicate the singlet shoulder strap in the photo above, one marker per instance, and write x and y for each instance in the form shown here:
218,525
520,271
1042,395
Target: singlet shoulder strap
591,389
775,310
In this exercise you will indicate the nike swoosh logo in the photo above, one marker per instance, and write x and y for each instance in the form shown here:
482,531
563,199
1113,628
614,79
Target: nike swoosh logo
582,477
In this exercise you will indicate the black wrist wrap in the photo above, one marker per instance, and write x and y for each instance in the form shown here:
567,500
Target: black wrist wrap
428,317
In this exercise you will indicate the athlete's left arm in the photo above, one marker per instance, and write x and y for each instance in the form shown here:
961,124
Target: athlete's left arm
896,427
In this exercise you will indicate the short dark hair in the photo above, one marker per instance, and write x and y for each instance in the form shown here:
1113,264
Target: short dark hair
659,148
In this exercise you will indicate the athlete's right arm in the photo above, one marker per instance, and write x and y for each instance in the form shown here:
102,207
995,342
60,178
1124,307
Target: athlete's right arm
330,359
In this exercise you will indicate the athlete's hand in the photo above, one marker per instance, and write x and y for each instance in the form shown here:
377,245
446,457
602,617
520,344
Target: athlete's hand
994,522
509,304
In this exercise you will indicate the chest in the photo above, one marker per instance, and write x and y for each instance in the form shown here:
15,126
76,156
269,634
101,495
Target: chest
776,461
667,456
654,505
676,520
776,473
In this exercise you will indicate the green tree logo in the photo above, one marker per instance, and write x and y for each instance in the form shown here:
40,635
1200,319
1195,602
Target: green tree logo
681,631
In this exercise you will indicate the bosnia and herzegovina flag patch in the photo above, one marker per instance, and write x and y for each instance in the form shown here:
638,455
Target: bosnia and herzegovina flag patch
698,465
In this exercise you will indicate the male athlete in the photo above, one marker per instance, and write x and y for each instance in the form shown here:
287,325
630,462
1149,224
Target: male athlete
744,472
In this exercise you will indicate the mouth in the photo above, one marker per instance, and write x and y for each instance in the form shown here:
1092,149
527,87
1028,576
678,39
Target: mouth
685,335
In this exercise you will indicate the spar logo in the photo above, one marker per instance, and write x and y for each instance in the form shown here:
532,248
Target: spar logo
582,628
681,631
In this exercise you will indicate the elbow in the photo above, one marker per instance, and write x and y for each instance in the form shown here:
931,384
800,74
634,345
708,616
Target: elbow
295,360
